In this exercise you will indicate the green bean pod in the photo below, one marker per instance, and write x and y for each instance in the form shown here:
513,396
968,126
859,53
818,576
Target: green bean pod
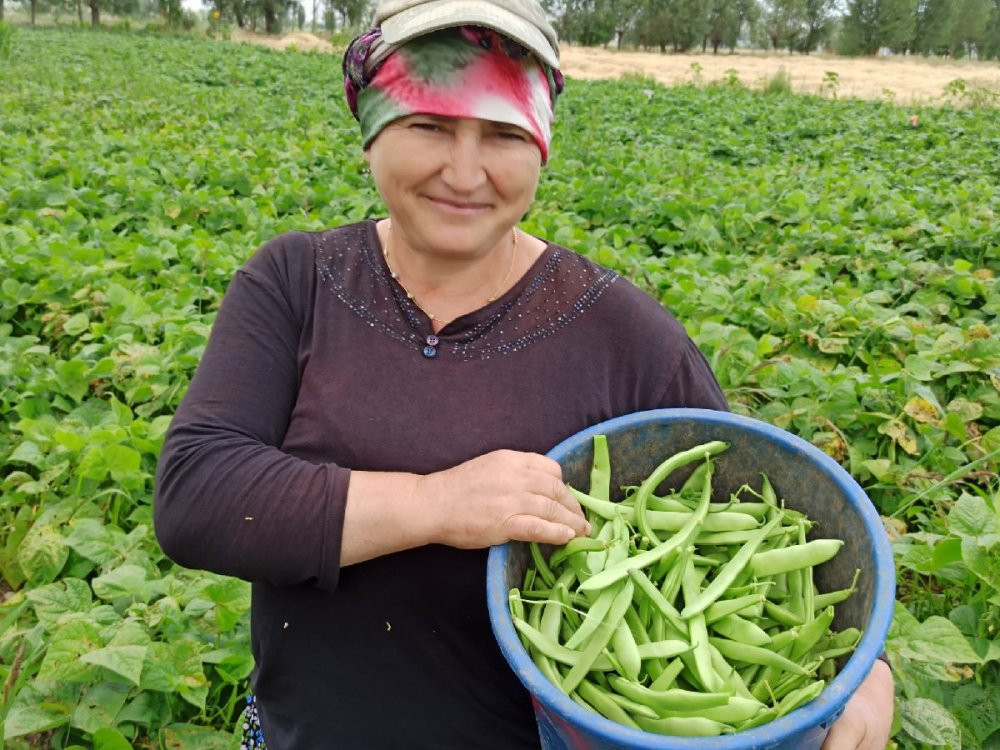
557,652
662,471
603,704
600,638
681,539
667,700
775,561
755,655
725,577
683,726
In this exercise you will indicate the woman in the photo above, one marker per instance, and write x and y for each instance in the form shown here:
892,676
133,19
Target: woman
370,413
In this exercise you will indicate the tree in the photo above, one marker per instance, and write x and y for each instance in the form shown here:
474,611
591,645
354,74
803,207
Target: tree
932,26
724,23
588,22
351,14
679,24
817,24
871,25
991,47
624,13
783,22
969,31
172,12
749,11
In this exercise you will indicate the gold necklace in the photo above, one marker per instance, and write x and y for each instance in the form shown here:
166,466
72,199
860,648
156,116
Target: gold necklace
410,296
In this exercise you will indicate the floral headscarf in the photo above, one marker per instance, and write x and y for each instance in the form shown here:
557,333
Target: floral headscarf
467,71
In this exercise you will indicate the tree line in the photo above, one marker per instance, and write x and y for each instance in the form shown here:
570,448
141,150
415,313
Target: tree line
268,16
946,28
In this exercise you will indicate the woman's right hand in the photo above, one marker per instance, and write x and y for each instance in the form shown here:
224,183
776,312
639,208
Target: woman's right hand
498,497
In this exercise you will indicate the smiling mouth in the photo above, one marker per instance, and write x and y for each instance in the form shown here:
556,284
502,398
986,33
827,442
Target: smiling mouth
458,206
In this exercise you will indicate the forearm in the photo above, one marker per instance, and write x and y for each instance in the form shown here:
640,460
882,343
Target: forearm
487,500
382,516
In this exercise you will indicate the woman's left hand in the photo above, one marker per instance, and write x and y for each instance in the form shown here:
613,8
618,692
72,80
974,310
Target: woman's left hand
867,719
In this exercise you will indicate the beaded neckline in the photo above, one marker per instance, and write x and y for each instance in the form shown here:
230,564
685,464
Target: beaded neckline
558,287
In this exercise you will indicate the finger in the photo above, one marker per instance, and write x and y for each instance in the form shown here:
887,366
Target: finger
528,528
543,464
548,509
550,486
847,733
562,495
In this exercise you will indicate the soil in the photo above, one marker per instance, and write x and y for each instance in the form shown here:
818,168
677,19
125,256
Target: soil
906,80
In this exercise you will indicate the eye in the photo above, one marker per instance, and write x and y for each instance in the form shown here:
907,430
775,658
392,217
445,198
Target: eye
513,134
431,127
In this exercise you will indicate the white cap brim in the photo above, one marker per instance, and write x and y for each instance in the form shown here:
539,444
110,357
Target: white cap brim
443,14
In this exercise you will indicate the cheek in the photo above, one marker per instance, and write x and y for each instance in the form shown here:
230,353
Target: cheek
519,176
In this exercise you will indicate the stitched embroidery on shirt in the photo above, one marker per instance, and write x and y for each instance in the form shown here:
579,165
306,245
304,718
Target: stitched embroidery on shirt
562,290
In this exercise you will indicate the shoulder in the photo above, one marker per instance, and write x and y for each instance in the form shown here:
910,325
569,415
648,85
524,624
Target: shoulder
620,305
294,255
291,261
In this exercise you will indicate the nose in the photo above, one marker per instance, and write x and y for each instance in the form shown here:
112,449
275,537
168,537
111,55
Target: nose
465,169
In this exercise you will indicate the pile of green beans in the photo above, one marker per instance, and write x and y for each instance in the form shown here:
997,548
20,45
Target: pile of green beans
680,615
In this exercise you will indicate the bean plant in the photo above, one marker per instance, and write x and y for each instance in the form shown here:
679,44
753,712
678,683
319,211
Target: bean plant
836,263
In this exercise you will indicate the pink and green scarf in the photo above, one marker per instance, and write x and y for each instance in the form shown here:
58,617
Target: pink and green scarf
467,71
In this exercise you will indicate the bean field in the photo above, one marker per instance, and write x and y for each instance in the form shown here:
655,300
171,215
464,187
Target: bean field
836,261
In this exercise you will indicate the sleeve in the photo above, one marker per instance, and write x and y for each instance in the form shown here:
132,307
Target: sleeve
693,384
227,498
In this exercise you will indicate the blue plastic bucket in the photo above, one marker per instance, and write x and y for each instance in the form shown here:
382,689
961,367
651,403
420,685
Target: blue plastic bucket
806,479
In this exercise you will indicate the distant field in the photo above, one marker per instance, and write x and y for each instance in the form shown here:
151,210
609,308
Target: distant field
910,80
906,80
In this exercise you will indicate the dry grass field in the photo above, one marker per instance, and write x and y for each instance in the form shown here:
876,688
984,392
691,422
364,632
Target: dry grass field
906,80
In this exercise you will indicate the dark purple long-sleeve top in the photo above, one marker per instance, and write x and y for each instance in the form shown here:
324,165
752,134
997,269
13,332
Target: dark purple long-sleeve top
317,365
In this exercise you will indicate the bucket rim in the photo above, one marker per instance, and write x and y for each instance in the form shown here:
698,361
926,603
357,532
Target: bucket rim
821,711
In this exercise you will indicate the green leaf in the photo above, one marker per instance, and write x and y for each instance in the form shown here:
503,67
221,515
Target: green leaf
983,560
118,461
930,723
34,710
42,553
183,736
977,709
919,368
232,600
63,660
125,661
106,738
99,706
937,639
28,453
95,541
971,517
76,324
126,581
880,468
52,602
176,667
946,553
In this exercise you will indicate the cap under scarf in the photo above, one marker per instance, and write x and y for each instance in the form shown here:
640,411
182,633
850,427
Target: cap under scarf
466,71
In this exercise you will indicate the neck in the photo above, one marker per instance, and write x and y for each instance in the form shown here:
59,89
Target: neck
448,286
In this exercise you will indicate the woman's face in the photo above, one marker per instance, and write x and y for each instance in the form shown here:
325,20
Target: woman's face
454,186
